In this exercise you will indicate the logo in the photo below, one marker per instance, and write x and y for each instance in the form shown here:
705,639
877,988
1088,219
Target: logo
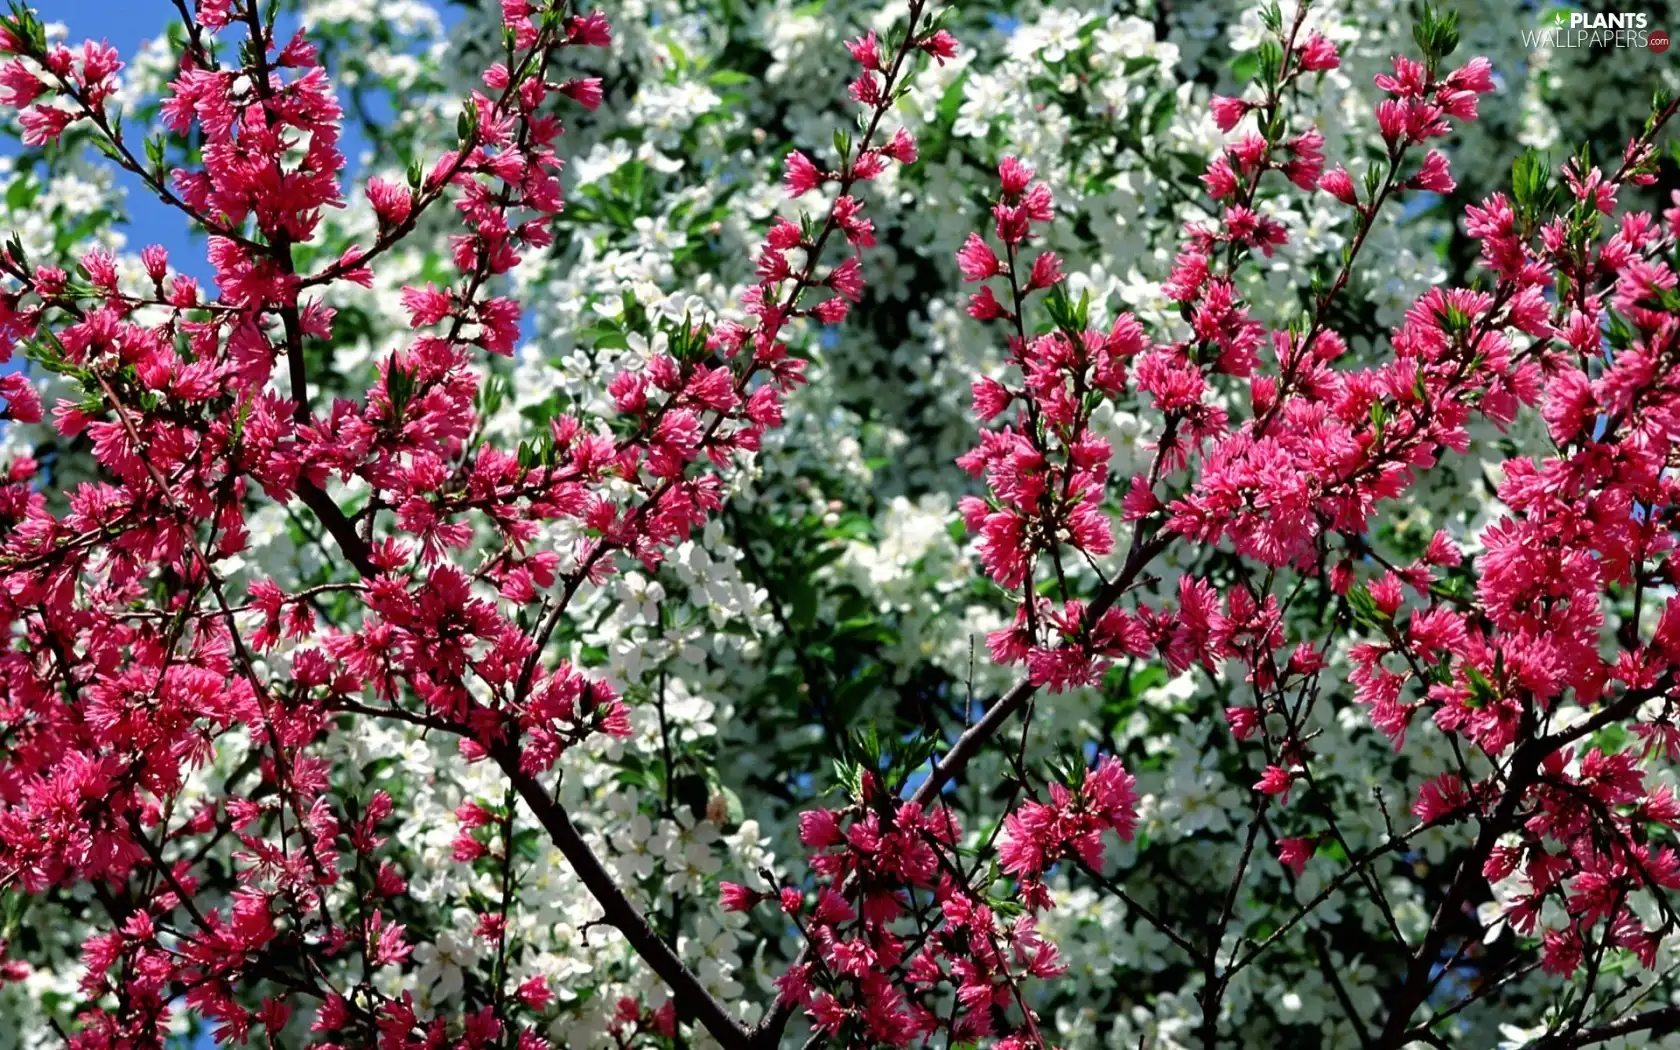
1600,20
1564,28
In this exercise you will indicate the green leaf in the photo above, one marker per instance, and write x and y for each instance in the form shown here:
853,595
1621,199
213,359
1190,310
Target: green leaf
1245,66
1161,117
1364,607
1529,174
951,101
1271,62
21,193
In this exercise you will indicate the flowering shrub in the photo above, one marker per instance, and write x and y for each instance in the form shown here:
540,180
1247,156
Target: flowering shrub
554,595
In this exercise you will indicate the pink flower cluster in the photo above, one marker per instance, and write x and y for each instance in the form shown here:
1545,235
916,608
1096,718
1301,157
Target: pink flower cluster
136,657
898,928
1291,483
1046,472
1323,444
1582,522
178,402
1069,826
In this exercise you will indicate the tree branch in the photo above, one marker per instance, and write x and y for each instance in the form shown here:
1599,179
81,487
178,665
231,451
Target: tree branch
1657,1022
333,519
975,737
769,1033
690,995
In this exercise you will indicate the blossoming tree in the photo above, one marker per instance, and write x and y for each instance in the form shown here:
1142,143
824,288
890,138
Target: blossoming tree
460,629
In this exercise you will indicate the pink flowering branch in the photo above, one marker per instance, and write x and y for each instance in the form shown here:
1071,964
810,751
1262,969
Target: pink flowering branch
1452,359
1272,464
193,429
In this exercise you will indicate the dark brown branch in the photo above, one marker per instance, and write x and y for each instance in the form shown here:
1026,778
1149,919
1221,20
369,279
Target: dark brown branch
690,995
1657,1022
333,519
1415,988
975,737
1142,552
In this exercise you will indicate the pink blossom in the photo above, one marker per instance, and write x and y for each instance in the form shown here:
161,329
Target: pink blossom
585,91
1228,111
1475,75
866,51
43,124
1439,798
990,398
1274,781
1392,119
23,404
590,30
847,279
1294,853
1013,176
800,176
1408,79
18,86
1220,180
940,44
1339,185
983,305
1046,271
1433,176
155,258
735,897
1317,53
902,147
976,259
